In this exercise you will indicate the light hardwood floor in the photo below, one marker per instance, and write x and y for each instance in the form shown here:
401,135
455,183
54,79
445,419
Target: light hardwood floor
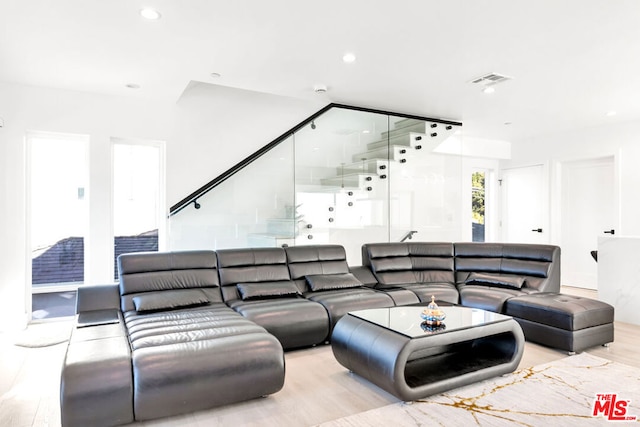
317,388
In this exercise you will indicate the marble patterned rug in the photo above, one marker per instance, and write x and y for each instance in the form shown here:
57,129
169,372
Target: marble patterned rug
563,393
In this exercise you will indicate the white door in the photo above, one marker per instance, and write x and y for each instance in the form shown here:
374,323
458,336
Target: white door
523,205
588,210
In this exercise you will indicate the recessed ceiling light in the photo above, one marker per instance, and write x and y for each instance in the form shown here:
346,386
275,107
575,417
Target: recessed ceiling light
215,75
611,113
348,58
133,85
488,89
320,89
507,123
150,14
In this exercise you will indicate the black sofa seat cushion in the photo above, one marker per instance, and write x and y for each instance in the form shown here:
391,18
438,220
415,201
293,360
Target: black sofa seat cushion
207,356
496,280
295,322
443,292
341,301
566,312
182,326
487,298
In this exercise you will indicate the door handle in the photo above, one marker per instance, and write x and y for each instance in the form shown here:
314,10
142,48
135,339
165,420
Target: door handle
612,231
537,230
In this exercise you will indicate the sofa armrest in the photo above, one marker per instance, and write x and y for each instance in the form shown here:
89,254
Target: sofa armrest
365,275
98,297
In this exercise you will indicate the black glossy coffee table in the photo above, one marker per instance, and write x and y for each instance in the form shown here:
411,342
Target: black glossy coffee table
394,349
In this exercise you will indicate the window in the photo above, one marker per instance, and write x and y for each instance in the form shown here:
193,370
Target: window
478,206
137,197
58,170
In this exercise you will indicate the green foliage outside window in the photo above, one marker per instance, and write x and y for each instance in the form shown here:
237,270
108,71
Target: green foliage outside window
477,197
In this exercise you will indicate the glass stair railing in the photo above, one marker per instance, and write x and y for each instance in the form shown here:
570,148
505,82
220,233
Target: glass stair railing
355,176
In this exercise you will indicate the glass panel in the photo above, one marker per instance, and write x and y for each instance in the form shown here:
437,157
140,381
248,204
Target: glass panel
341,180
425,182
136,198
338,180
58,179
408,320
253,208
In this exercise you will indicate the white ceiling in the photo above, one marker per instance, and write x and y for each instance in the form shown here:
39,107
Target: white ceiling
571,60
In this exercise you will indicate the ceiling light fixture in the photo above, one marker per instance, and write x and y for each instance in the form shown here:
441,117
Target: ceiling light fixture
133,85
150,14
488,89
215,75
348,58
320,89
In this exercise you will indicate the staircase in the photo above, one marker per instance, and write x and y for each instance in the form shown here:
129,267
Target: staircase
398,145
346,181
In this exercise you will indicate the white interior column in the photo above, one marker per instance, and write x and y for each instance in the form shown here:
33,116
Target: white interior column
619,276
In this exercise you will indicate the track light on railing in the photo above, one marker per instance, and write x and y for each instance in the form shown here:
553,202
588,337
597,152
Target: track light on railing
196,204
313,124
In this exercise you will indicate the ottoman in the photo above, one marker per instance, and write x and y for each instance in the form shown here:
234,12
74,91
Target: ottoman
566,322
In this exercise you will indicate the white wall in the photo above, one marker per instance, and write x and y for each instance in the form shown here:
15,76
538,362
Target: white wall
205,132
621,140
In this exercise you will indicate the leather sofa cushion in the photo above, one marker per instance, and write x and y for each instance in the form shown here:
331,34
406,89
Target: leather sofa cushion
497,280
267,289
567,312
167,300
321,282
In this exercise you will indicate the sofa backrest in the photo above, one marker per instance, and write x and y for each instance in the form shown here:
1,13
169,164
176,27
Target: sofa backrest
313,260
410,263
250,265
538,264
146,273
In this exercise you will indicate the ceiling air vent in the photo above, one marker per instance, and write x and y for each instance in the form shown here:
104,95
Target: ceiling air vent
491,79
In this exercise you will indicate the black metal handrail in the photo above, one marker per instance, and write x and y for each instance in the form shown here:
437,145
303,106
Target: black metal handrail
193,197
408,235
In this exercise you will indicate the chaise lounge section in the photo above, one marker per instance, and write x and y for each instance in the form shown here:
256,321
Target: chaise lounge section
178,348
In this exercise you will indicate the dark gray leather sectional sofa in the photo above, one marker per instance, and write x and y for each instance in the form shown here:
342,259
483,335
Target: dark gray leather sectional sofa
191,330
